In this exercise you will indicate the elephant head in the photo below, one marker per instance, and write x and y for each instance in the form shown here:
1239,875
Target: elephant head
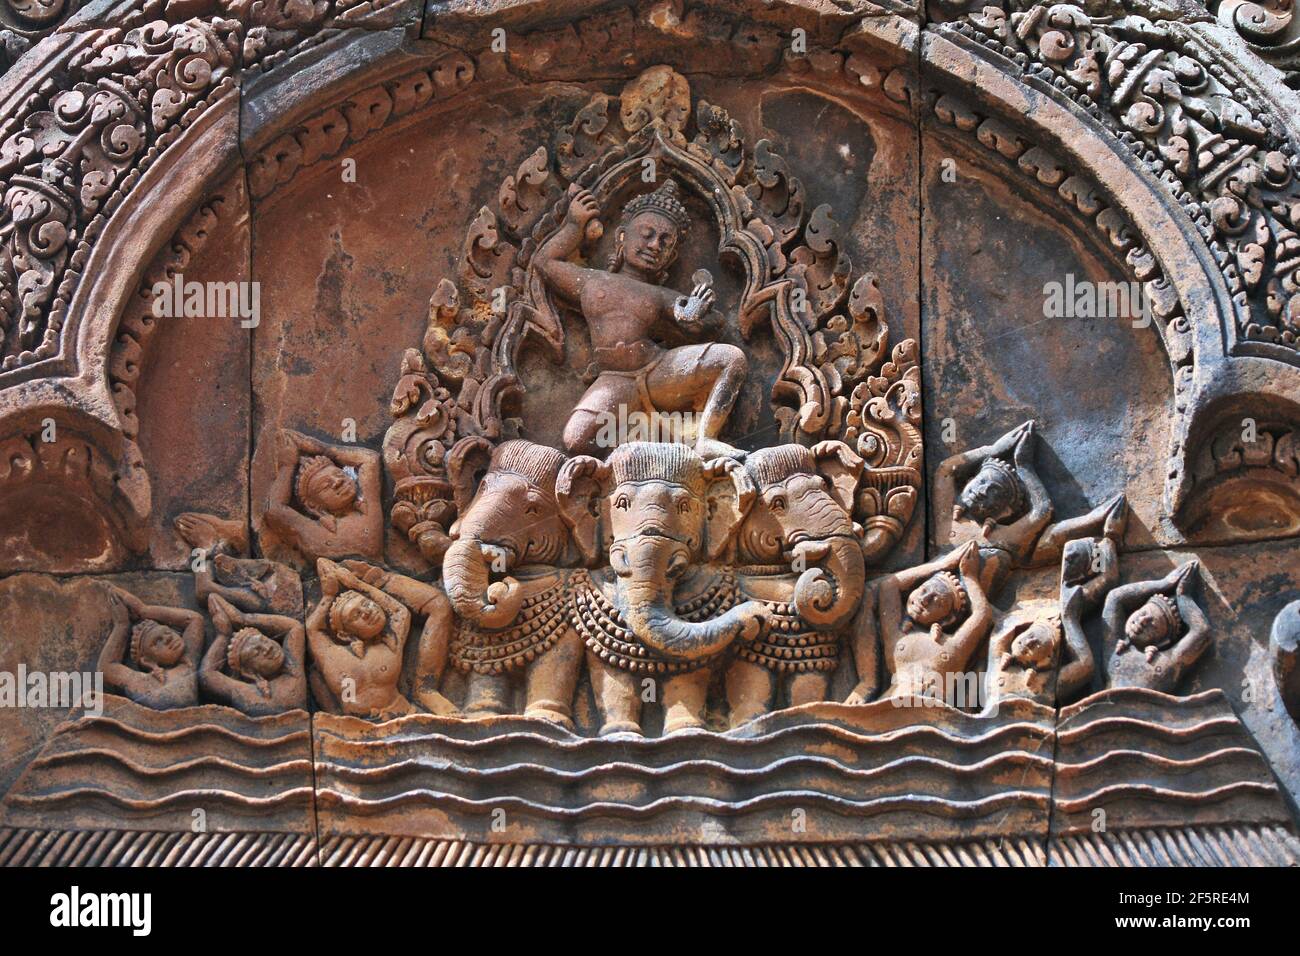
803,515
512,520
665,511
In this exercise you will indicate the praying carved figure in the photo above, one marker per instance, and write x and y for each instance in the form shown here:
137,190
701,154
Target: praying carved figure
146,659
256,585
919,652
623,306
338,489
257,661
995,497
423,601
357,635
1155,631
1026,659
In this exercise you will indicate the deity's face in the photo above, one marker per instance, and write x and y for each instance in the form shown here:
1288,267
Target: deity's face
261,656
331,490
161,646
932,602
1034,646
1147,626
987,497
650,242
361,616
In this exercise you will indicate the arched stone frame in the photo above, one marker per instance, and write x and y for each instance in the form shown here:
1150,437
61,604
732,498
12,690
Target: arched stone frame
200,130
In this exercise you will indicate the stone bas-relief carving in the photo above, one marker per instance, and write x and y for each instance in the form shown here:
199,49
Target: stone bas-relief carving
572,554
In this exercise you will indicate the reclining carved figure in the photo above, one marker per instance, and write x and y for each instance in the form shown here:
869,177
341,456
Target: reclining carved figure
1155,631
995,497
152,653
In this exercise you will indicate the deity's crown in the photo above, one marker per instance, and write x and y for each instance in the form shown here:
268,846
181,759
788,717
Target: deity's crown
138,634
1008,476
237,643
958,591
307,470
1169,610
663,201
339,607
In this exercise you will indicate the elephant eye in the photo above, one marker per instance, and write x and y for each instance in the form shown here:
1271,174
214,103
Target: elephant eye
622,503
778,503
683,506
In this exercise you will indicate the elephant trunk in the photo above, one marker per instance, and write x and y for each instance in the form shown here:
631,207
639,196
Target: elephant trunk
826,596
656,625
465,575
648,567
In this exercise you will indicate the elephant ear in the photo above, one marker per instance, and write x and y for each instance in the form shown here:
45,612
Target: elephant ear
729,497
580,490
467,462
841,466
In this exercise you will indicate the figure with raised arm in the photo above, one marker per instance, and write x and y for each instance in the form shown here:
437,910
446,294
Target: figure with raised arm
338,490
914,611
357,634
257,663
257,585
1046,657
623,305
152,653
994,496
1155,631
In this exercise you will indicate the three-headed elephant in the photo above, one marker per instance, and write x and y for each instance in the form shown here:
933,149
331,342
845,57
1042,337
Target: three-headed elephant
799,551
666,607
507,575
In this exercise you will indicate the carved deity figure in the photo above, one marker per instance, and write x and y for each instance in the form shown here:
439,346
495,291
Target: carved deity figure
1047,658
337,488
624,305
914,610
1155,631
996,498
256,585
357,635
257,661
152,652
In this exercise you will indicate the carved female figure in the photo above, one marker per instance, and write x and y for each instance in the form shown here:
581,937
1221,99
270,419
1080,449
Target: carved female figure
149,661
1155,630
257,661
995,497
344,514
1025,660
251,584
357,634
913,632
624,304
